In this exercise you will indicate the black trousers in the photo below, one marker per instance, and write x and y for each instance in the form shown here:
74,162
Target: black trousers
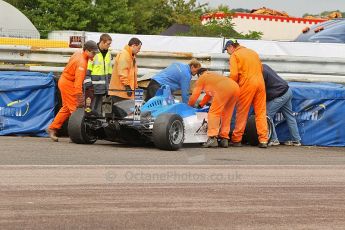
152,89
96,104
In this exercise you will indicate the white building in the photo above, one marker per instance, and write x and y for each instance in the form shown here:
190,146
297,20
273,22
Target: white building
273,27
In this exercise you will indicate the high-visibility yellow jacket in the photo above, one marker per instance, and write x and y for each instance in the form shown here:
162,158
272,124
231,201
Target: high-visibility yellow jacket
98,73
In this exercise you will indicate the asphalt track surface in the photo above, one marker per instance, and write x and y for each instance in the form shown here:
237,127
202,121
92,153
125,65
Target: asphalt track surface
46,185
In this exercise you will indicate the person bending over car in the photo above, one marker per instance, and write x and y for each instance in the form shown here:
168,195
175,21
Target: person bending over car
279,96
124,77
224,93
177,76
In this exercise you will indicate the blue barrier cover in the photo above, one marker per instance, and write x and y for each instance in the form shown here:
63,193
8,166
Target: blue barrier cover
26,102
319,110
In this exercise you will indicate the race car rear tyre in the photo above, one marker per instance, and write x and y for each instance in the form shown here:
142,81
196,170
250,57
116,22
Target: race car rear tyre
251,132
168,132
77,129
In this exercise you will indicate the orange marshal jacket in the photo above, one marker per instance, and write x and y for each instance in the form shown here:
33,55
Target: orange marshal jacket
211,83
124,73
245,67
75,71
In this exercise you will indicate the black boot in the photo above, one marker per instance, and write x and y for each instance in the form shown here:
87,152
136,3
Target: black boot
224,143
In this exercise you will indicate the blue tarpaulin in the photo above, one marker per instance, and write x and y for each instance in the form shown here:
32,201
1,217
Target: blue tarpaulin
26,103
319,110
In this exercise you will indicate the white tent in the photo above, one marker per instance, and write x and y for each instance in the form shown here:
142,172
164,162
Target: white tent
14,23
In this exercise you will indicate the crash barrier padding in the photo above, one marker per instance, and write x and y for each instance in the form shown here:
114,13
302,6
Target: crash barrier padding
319,109
27,101
39,43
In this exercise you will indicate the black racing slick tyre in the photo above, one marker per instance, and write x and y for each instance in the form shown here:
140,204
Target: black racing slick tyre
251,132
168,132
78,130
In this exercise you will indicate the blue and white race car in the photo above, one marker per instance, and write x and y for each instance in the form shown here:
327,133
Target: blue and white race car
161,120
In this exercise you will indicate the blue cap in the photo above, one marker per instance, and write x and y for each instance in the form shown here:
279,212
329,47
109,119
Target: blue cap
229,43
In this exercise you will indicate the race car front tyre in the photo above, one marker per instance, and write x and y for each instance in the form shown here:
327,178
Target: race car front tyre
251,132
78,130
168,132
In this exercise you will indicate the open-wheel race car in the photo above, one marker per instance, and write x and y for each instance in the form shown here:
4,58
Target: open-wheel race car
160,121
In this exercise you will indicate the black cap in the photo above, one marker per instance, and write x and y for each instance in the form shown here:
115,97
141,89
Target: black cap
229,43
91,46
201,70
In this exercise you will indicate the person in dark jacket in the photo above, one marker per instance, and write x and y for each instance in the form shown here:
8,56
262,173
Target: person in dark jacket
278,97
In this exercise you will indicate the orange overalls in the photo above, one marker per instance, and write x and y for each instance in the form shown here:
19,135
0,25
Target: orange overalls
125,72
70,85
246,70
224,92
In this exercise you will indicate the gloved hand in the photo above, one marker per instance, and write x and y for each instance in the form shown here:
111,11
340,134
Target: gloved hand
129,90
198,106
80,100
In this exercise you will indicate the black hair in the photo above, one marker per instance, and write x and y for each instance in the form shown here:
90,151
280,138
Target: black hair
134,41
201,71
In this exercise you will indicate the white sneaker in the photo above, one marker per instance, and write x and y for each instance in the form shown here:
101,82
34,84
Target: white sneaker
292,143
274,143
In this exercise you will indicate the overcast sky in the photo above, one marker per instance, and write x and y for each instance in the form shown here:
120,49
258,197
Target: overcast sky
292,7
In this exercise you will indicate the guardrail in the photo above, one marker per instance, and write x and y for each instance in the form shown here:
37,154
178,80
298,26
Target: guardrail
25,58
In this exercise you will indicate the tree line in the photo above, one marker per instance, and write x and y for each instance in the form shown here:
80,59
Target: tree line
125,16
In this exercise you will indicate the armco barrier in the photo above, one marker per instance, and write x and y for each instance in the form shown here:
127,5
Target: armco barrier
296,68
44,43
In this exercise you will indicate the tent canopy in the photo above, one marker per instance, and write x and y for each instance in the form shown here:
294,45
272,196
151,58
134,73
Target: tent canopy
14,23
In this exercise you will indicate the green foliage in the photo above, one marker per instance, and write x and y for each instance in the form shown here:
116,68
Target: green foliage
185,12
155,16
219,29
224,8
124,16
84,15
241,10
324,14
254,35
49,15
213,29
111,16
220,8
150,16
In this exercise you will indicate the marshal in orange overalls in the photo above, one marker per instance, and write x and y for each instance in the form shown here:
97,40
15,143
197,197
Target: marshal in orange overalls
71,86
246,70
224,92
